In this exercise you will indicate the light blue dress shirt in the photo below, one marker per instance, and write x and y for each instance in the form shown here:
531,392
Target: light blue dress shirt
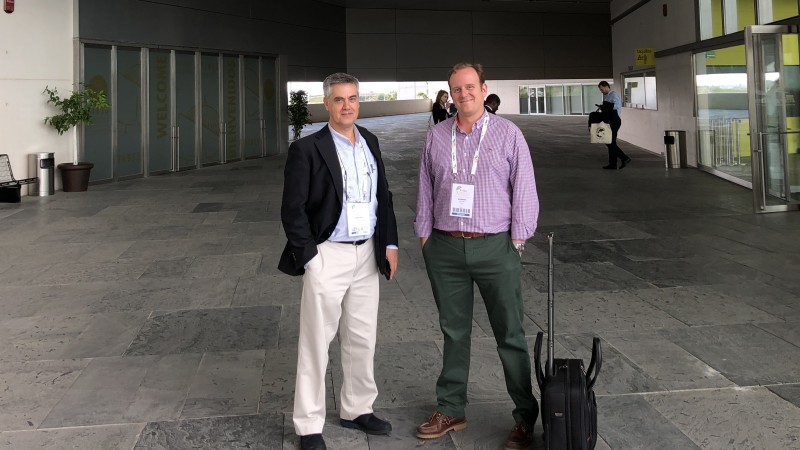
359,174
613,97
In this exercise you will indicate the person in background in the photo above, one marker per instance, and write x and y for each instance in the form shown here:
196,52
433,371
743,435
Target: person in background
440,111
492,103
476,206
613,116
342,234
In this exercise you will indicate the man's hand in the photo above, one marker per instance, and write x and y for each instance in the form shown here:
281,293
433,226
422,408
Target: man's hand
515,242
422,241
392,255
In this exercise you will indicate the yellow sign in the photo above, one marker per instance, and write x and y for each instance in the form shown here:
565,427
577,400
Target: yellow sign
645,56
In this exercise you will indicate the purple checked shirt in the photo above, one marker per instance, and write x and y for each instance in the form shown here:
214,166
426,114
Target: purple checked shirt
505,188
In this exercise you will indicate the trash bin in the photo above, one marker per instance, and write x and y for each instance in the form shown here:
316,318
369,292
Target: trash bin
675,148
43,167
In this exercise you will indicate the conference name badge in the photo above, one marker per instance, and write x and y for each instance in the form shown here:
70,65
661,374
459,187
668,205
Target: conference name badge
462,198
358,223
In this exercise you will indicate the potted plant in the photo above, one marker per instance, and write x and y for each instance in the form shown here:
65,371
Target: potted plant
299,116
76,109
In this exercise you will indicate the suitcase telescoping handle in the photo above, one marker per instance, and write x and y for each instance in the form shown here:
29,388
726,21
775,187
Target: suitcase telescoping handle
597,353
551,341
537,348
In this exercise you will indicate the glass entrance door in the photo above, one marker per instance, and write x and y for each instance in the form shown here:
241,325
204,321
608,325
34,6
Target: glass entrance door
773,78
537,101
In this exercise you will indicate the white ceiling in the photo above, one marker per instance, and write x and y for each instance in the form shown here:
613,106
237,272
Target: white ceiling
558,6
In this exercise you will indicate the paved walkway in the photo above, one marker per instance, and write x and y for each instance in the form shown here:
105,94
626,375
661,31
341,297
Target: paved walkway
150,314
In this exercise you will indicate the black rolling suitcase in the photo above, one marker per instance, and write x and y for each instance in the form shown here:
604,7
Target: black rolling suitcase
569,408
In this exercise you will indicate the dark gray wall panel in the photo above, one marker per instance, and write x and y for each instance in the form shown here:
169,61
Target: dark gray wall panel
554,72
576,51
511,45
421,51
510,51
434,22
514,73
506,23
576,25
371,74
371,50
370,21
310,34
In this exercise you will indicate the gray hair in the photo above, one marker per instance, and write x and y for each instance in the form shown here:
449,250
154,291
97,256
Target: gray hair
337,78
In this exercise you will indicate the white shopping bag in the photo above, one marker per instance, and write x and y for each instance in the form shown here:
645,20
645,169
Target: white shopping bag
600,133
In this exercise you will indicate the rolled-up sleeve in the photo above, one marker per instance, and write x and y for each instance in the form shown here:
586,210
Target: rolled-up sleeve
423,223
524,198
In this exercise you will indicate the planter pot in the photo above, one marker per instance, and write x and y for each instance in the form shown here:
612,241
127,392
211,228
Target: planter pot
75,177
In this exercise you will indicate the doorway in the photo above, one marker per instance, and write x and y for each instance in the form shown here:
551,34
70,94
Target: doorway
773,74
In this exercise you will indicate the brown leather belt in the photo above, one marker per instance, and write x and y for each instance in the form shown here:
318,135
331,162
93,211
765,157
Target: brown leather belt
462,234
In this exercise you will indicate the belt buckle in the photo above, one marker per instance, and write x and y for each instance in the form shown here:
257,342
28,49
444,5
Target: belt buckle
464,236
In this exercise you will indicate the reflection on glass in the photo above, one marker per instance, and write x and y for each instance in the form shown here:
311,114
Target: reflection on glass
555,100
97,143
185,109
209,73
574,104
160,145
739,14
591,97
252,109
523,100
270,104
129,112
722,111
230,105
539,101
710,18
773,10
777,97
651,99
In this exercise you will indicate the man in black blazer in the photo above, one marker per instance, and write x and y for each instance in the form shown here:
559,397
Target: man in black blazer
339,219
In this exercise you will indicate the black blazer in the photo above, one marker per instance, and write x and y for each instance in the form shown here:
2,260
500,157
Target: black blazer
312,200
439,114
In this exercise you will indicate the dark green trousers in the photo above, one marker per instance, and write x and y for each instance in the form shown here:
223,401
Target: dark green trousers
492,263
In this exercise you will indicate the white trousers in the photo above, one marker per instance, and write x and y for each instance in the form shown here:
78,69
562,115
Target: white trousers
340,291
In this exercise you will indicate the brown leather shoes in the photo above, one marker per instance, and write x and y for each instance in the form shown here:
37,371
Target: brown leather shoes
521,436
438,425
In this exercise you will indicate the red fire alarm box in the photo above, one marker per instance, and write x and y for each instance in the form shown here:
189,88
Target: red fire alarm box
8,6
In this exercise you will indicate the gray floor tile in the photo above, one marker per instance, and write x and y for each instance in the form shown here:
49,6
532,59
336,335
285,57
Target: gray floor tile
697,306
744,354
110,437
264,432
29,390
669,365
630,422
599,276
579,312
119,390
224,266
225,384
731,418
208,330
788,392
268,290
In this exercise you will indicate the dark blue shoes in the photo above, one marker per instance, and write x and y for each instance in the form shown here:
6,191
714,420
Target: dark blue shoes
368,423
312,442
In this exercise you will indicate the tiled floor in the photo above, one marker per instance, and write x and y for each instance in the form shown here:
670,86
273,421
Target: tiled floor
150,314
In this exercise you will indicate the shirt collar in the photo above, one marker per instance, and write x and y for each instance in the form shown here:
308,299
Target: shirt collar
342,140
477,126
